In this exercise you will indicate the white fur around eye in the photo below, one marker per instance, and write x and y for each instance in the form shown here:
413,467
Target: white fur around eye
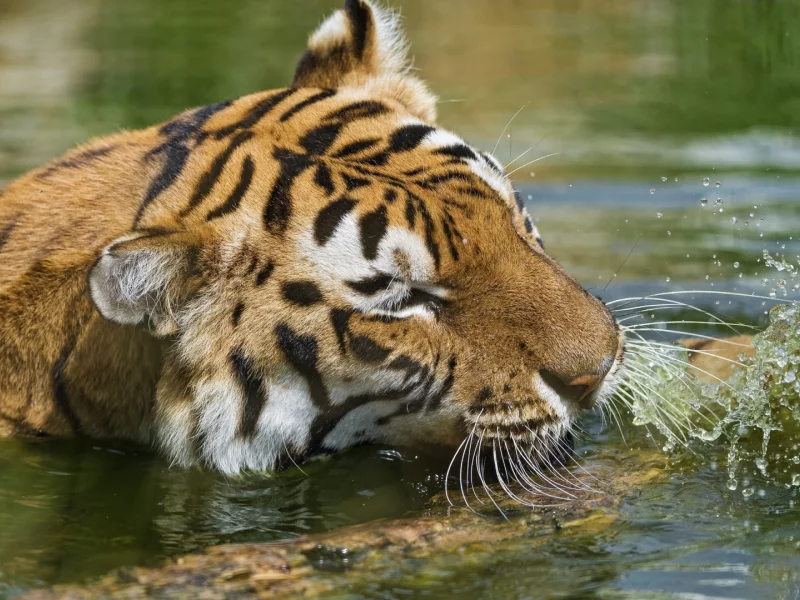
400,240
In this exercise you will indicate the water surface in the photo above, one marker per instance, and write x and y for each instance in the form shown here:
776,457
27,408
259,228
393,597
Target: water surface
642,101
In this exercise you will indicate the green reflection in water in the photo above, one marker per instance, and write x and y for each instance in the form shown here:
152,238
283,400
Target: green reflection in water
626,91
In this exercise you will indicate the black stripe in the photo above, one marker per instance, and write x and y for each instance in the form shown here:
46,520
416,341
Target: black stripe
358,110
471,190
279,205
319,140
256,113
340,319
59,387
5,232
318,97
356,147
405,363
453,226
210,177
380,175
457,151
376,160
416,404
352,183
518,200
235,199
302,293
176,151
322,177
439,396
449,236
371,285
301,352
435,180
367,350
254,396
528,225
430,243
408,137
329,218
390,195
360,17
373,228
264,273
491,163
84,159
411,212
237,314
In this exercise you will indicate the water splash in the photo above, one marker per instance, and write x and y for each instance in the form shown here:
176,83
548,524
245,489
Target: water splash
754,415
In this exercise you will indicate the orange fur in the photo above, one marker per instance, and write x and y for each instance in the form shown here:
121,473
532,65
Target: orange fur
162,202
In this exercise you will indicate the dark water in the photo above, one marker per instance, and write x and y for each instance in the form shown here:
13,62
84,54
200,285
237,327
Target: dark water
641,99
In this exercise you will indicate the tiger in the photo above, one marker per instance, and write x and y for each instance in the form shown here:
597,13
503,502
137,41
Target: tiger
266,280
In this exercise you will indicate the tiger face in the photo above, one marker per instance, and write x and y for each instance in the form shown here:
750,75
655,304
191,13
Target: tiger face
330,268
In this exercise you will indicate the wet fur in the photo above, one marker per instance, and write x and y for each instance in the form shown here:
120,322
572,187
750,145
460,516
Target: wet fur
170,285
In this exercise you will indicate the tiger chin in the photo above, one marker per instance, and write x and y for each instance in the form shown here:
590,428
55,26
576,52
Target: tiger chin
290,273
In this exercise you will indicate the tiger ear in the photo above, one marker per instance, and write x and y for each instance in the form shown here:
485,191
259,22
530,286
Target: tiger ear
142,279
362,46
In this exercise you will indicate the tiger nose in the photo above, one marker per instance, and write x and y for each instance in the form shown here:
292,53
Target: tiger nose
579,389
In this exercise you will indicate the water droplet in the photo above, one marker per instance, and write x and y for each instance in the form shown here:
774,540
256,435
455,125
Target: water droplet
652,190
533,174
667,279
703,202
734,219
663,179
796,479
732,484
718,184
706,181
736,265
659,215
747,492
669,233
764,281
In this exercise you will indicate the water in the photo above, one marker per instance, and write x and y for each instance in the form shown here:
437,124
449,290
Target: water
634,96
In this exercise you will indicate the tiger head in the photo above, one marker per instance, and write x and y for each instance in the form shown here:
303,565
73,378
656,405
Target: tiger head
330,268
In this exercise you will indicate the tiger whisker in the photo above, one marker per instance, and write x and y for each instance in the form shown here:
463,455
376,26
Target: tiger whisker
527,164
511,120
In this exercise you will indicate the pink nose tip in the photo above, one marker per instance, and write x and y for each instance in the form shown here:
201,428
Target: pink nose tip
583,386
580,388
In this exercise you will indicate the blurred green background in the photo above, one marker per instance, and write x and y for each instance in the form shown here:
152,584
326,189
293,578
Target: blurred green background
642,100
613,85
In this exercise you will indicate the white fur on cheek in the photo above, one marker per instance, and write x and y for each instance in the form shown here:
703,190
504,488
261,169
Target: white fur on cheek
340,258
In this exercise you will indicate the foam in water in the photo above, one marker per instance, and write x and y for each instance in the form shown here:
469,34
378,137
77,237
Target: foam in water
755,413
